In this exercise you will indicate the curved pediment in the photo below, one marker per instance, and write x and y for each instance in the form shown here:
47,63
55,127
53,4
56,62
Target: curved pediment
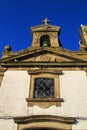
44,122
42,118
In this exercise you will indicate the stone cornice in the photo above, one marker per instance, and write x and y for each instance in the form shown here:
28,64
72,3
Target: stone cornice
22,120
43,64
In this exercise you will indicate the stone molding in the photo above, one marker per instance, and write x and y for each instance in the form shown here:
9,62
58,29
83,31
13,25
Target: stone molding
44,70
45,121
33,118
44,64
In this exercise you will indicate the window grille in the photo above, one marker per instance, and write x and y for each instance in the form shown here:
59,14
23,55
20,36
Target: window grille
43,87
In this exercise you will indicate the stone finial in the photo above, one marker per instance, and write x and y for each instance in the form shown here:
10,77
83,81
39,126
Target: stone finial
7,48
46,21
83,37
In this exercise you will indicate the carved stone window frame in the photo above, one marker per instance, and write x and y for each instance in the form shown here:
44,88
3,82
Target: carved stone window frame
44,102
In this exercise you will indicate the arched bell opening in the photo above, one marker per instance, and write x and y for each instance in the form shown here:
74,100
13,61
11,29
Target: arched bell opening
45,41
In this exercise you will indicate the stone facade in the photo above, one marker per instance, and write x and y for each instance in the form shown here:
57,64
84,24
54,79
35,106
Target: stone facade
45,59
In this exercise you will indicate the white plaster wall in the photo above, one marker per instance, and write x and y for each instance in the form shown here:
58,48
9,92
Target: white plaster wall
15,88
73,89
7,124
80,125
74,92
13,91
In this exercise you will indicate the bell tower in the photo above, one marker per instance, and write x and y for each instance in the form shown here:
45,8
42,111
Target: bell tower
45,35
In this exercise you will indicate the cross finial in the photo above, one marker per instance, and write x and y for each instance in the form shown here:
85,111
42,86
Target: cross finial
46,21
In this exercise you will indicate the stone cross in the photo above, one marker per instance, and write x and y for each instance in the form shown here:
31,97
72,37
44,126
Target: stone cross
46,21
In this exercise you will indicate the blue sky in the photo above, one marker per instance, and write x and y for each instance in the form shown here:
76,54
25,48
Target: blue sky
17,16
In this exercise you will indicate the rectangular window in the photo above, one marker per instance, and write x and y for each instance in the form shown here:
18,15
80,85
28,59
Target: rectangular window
43,87
44,90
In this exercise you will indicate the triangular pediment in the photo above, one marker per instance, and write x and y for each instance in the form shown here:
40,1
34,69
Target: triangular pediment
44,27
44,55
47,57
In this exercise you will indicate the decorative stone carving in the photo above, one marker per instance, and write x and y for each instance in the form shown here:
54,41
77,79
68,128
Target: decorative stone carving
48,58
7,48
83,38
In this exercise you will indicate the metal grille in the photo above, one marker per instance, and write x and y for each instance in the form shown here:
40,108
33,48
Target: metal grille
44,87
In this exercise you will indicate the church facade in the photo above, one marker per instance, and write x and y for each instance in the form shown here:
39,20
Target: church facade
44,87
